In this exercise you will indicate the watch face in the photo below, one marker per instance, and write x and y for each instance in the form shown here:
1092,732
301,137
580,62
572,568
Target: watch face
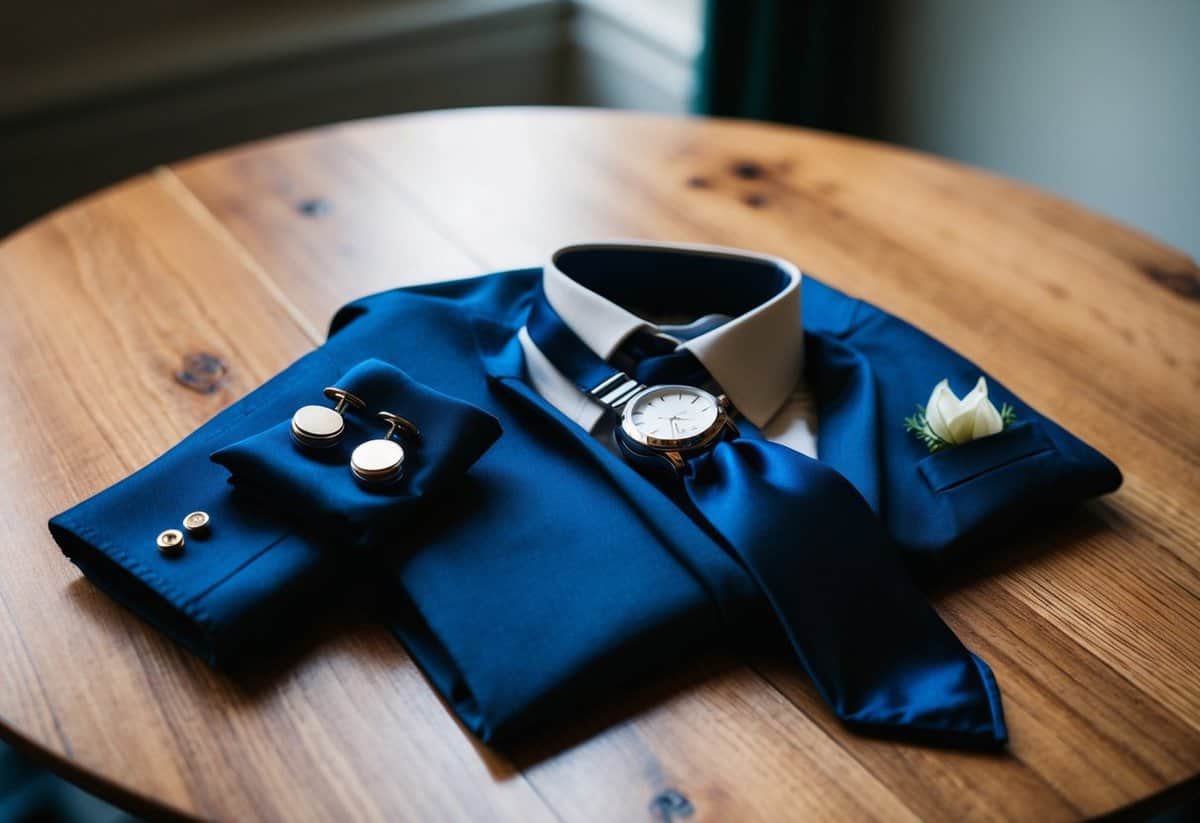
671,417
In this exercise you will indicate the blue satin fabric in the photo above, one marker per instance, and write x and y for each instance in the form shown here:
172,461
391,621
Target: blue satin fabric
878,653
551,573
585,370
556,574
318,487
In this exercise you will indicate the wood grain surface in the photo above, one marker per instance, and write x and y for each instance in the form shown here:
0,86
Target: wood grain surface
1092,626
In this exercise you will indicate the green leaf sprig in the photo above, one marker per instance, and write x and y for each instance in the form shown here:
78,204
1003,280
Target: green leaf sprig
918,426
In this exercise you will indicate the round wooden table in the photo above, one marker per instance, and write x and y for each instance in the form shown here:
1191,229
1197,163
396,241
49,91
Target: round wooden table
1092,627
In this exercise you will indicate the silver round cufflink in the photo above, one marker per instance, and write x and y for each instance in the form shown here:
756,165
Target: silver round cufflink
170,543
379,462
196,523
319,427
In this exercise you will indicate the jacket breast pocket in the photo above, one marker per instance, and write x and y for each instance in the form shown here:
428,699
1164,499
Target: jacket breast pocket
1004,452
983,487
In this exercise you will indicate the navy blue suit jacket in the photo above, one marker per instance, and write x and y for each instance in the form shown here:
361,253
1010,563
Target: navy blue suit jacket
551,572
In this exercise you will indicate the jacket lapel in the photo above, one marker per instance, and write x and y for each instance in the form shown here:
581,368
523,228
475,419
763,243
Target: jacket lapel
846,388
504,361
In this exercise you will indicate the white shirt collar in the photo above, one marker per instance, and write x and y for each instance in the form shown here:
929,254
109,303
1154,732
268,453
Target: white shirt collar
756,357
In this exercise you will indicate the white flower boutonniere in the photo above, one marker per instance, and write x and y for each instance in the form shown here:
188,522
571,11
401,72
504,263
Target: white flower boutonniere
947,421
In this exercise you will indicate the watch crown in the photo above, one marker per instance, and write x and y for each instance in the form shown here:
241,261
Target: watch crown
723,401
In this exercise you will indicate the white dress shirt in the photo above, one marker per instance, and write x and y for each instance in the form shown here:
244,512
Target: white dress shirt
757,357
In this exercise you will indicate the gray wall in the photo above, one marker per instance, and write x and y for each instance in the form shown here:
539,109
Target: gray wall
1098,100
91,93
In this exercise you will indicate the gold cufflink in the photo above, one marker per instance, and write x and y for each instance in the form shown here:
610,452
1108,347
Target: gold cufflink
319,427
170,543
196,523
378,462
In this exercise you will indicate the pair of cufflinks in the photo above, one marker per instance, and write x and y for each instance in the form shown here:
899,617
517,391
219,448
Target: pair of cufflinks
375,462
170,542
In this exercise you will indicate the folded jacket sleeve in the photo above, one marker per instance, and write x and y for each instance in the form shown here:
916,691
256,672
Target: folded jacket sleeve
235,585
259,571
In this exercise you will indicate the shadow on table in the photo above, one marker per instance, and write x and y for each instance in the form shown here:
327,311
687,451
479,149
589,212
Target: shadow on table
29,794
765,649
1024,544
349,615
255,674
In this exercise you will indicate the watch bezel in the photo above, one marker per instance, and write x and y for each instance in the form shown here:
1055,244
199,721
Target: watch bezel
681,444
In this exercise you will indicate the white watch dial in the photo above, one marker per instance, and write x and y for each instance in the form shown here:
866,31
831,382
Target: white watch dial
668,413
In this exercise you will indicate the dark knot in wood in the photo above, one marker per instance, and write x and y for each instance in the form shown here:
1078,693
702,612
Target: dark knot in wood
1185,283
748,170
202,372
671,805
316,207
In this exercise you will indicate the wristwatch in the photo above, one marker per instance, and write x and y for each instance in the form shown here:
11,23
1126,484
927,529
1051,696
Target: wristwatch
662,426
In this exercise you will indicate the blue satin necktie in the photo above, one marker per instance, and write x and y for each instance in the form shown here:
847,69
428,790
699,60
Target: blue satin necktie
654,360
880,656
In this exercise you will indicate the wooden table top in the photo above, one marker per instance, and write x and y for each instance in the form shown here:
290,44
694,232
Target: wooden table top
1092,626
